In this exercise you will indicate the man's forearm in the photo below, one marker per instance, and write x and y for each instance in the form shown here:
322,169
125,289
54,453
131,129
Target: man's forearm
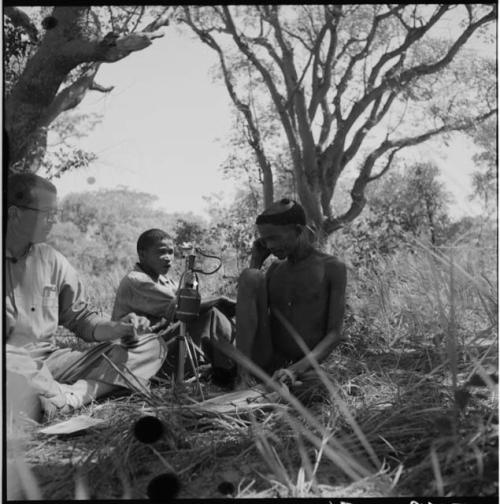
103,331
208,303
319,353
108,330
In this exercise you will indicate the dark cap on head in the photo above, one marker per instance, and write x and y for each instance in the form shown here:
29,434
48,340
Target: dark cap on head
280,213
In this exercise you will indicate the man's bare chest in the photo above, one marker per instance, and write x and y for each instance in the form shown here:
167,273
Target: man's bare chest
298,287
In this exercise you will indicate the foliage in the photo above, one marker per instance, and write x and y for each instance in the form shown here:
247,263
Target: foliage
17,47
63,152
413,199
190,231
233,227
408,203
348,86
98,230
485,177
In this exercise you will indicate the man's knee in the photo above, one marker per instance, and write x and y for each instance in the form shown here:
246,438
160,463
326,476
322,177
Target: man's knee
251,279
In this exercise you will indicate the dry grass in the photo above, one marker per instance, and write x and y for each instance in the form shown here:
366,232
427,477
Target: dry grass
391,413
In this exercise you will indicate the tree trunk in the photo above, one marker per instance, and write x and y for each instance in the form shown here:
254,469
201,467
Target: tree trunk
37,87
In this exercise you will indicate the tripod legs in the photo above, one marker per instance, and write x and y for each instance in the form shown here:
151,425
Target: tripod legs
179,377
184,340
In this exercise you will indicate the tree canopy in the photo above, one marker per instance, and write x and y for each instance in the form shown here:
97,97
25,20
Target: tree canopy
348,85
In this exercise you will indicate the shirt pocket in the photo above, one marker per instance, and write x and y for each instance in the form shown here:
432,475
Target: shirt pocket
50,298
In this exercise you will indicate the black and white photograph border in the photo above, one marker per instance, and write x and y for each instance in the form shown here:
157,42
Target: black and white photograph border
156,157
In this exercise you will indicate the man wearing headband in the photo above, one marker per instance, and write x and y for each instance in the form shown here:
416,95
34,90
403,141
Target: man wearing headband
304,292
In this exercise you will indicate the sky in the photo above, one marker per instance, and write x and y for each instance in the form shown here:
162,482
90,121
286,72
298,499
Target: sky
165,122
162,129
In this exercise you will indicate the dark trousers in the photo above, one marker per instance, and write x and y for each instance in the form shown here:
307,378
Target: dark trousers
210,326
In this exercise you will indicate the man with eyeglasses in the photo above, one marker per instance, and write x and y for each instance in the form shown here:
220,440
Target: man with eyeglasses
44,291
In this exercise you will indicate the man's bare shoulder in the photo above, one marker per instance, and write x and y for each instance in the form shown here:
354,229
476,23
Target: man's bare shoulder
328,259
137,278
333,265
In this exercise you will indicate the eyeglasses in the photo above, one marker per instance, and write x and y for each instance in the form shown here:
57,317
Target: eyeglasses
47,212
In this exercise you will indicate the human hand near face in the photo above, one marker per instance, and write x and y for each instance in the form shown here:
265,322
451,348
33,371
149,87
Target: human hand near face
259,253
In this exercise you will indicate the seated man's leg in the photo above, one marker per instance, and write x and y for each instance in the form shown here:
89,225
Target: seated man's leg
22,397
253,335
210,327
143,360
31,386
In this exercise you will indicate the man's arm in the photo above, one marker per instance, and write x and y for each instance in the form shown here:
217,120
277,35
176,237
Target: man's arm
337,278
226,305
143,296
76,315
74,312
129,326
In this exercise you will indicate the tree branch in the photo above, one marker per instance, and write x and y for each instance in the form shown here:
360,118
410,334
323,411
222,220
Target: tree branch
109,49
277,98
321,86
373,119
358,199
162,20
392,79
412,36
97,87
139,18
426,69
386,167
70,96
253,136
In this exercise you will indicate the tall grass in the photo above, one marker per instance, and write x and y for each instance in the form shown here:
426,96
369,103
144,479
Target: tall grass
391,412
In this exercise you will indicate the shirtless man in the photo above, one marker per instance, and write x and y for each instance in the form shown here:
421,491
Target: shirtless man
306,286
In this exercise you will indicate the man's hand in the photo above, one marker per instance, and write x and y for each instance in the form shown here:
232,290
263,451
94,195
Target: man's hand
128,327
226,305
259,254
139,323
286,376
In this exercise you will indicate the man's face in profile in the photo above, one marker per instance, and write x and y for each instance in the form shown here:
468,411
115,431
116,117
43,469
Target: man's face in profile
158,257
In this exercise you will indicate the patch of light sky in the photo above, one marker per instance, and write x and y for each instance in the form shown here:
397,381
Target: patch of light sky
164,126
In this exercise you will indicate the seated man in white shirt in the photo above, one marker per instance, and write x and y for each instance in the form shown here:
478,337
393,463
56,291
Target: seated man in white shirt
44,291
149,291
